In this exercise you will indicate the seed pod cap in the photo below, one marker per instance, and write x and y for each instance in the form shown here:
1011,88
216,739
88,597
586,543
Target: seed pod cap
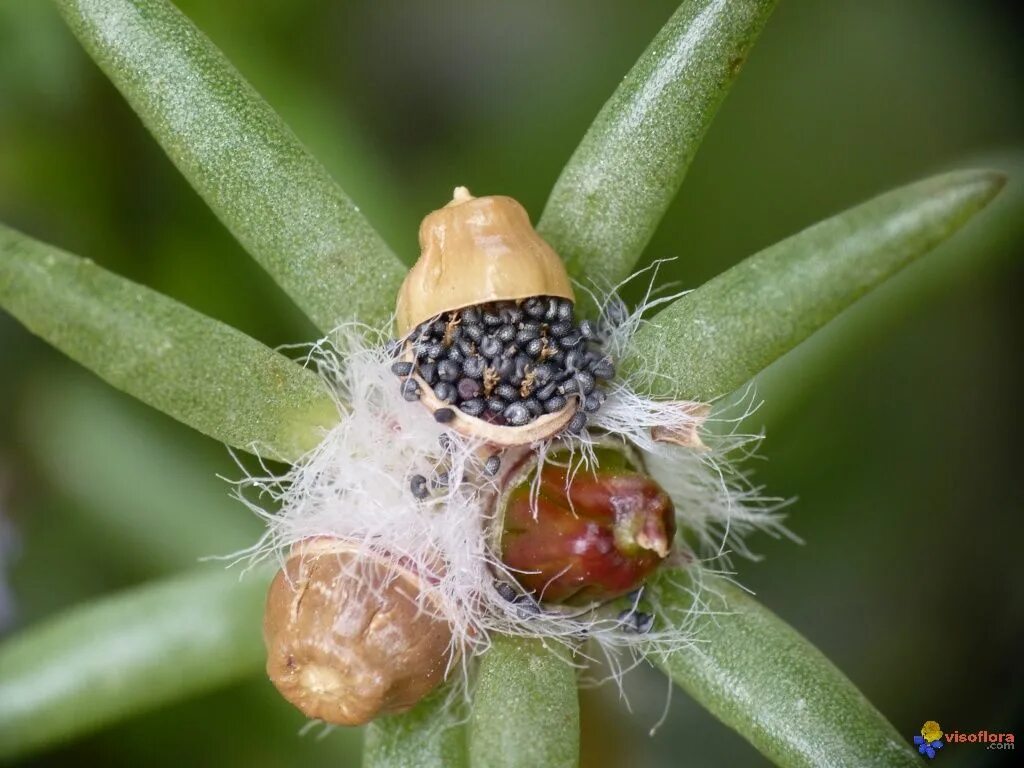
477,250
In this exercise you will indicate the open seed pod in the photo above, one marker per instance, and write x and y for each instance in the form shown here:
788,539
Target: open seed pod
491,344
346,640
583,537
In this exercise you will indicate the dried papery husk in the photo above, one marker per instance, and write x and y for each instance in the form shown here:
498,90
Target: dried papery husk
477,250
348,635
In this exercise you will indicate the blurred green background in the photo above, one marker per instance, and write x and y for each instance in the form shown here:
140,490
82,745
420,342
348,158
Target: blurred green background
897,428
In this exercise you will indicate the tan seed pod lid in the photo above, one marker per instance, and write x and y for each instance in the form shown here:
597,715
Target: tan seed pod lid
477,250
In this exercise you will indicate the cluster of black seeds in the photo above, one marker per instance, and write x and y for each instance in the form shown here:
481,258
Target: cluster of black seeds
509,362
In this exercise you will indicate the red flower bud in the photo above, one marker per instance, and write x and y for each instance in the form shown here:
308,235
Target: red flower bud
589,540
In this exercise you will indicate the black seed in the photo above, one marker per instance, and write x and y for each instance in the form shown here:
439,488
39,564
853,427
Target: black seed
516,414
444,415
439,480
418,486
569,387
506,392
473,407
401,368
410,390
434,350
473,332
468,388
445,392
555,403
470,316
578,422
529,325
558,330
551,311
438,327
587,330
543,373
533,349
586,380
533,406
491,319
603,368
474,367
535,307
445,441
503,366
448,370
506,591
526,335
466,347
496,405
565,309
428,372
573,360
592,403
393,346
492,465
455,355
506,334
527,606
557,359
512,314
489,346
643,622
570,340
524,364
547,391
615,313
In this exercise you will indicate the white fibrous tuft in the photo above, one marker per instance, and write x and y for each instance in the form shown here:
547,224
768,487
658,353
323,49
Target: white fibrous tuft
355,486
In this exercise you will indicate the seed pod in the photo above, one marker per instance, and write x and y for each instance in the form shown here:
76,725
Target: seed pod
478,257
589,540
346,640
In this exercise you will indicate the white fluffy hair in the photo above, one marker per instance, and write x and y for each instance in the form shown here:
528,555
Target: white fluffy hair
355,486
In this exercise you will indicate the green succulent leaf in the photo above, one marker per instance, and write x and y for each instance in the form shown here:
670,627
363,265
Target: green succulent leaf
757,675
616,187
126,654
240,157
196,369
525,708
716,338
431,735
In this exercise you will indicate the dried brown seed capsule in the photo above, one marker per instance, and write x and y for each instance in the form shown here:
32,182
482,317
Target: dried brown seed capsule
482,274
589,540
346,640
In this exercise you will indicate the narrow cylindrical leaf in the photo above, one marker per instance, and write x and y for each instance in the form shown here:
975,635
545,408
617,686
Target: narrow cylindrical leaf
616,187
196,369
525,708
238,154
716,338
126,654
757,675
431,735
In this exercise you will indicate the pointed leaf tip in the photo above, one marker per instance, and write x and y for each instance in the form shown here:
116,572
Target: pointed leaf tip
615,188
717,337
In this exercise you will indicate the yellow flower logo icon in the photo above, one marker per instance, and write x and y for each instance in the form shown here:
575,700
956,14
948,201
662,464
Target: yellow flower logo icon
931,731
